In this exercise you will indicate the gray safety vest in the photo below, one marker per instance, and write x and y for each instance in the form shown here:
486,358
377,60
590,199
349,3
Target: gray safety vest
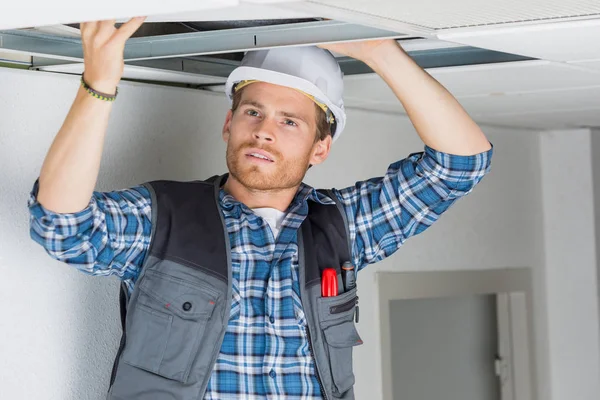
179,310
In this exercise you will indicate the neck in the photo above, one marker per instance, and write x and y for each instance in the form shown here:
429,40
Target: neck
279,199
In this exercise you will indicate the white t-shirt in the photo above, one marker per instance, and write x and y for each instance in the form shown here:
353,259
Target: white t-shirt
272,216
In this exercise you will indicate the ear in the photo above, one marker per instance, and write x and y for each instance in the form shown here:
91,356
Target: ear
321,151
227,125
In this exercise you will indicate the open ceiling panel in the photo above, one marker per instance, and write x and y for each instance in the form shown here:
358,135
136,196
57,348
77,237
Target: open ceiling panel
40,13
559,41
492,54
437,14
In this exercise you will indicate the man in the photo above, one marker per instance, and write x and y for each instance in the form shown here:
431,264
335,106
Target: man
232,315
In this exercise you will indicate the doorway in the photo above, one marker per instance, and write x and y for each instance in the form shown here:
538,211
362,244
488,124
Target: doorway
445,348
456,335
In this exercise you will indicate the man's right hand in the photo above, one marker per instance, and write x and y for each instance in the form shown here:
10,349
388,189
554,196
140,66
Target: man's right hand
70,170
103,47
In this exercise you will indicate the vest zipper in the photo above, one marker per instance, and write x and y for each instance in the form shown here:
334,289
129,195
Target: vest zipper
347,306
312,354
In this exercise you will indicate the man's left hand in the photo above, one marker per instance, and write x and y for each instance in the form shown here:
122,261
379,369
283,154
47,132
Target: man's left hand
366,51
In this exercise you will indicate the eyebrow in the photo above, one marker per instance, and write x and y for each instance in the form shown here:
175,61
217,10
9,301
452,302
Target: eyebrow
251,103
284,113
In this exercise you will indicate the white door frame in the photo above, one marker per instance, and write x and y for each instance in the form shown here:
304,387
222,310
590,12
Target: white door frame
514,290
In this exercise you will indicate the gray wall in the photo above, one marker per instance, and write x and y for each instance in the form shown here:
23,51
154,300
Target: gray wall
444,348
60,328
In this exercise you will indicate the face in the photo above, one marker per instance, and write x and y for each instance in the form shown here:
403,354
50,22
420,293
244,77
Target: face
271,138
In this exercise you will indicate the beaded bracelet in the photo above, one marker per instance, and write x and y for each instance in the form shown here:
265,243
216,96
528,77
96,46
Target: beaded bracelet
99,95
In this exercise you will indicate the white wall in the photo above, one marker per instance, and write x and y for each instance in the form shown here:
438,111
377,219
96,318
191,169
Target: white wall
60,328
595,138
570,275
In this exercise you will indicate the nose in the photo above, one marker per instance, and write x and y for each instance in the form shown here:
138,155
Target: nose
265,130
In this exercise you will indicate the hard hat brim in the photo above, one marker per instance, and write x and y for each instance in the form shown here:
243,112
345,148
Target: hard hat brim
278,78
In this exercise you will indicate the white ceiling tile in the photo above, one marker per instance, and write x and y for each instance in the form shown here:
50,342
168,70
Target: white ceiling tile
18,14
438,14
538,94
387,107
570,99
242,11
526,122
516,77
560,41
551,119
490,79
555,119
591,64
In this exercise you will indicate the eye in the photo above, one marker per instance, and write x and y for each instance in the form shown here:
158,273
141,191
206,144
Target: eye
252,113
289,122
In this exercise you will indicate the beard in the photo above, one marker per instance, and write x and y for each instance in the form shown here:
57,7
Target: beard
280,175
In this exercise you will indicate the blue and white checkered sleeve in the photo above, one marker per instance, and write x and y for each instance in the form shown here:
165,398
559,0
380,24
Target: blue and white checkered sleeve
111,236
384,212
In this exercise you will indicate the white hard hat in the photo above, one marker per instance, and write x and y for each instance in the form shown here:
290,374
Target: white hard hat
310,69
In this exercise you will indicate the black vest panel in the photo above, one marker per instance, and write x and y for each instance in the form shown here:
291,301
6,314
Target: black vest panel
200,244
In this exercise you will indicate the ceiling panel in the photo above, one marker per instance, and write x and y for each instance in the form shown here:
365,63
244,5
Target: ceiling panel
517,94
386,107
18,14
526,76
440,14
533,102
553,119
495,79
241,12
560,41
593,64
549,119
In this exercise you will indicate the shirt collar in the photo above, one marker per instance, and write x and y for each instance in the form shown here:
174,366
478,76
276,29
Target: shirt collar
304,193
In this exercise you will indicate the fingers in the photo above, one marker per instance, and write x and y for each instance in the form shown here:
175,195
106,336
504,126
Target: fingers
97,30
127,29
88,29
106,28
332,47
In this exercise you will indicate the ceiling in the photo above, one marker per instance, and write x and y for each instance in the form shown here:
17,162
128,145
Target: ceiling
560,89
525,94
551,82
443,14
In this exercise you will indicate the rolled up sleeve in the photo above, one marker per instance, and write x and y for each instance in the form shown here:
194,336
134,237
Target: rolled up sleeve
384,212
458,174
111,236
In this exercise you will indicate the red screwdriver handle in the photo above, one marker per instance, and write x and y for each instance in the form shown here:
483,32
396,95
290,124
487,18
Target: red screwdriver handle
329,283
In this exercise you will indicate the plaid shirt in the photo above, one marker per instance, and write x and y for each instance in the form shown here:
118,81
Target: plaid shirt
265,352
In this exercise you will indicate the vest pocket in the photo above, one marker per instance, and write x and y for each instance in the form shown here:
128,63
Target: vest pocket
147,338
340,341
336,319
166,324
